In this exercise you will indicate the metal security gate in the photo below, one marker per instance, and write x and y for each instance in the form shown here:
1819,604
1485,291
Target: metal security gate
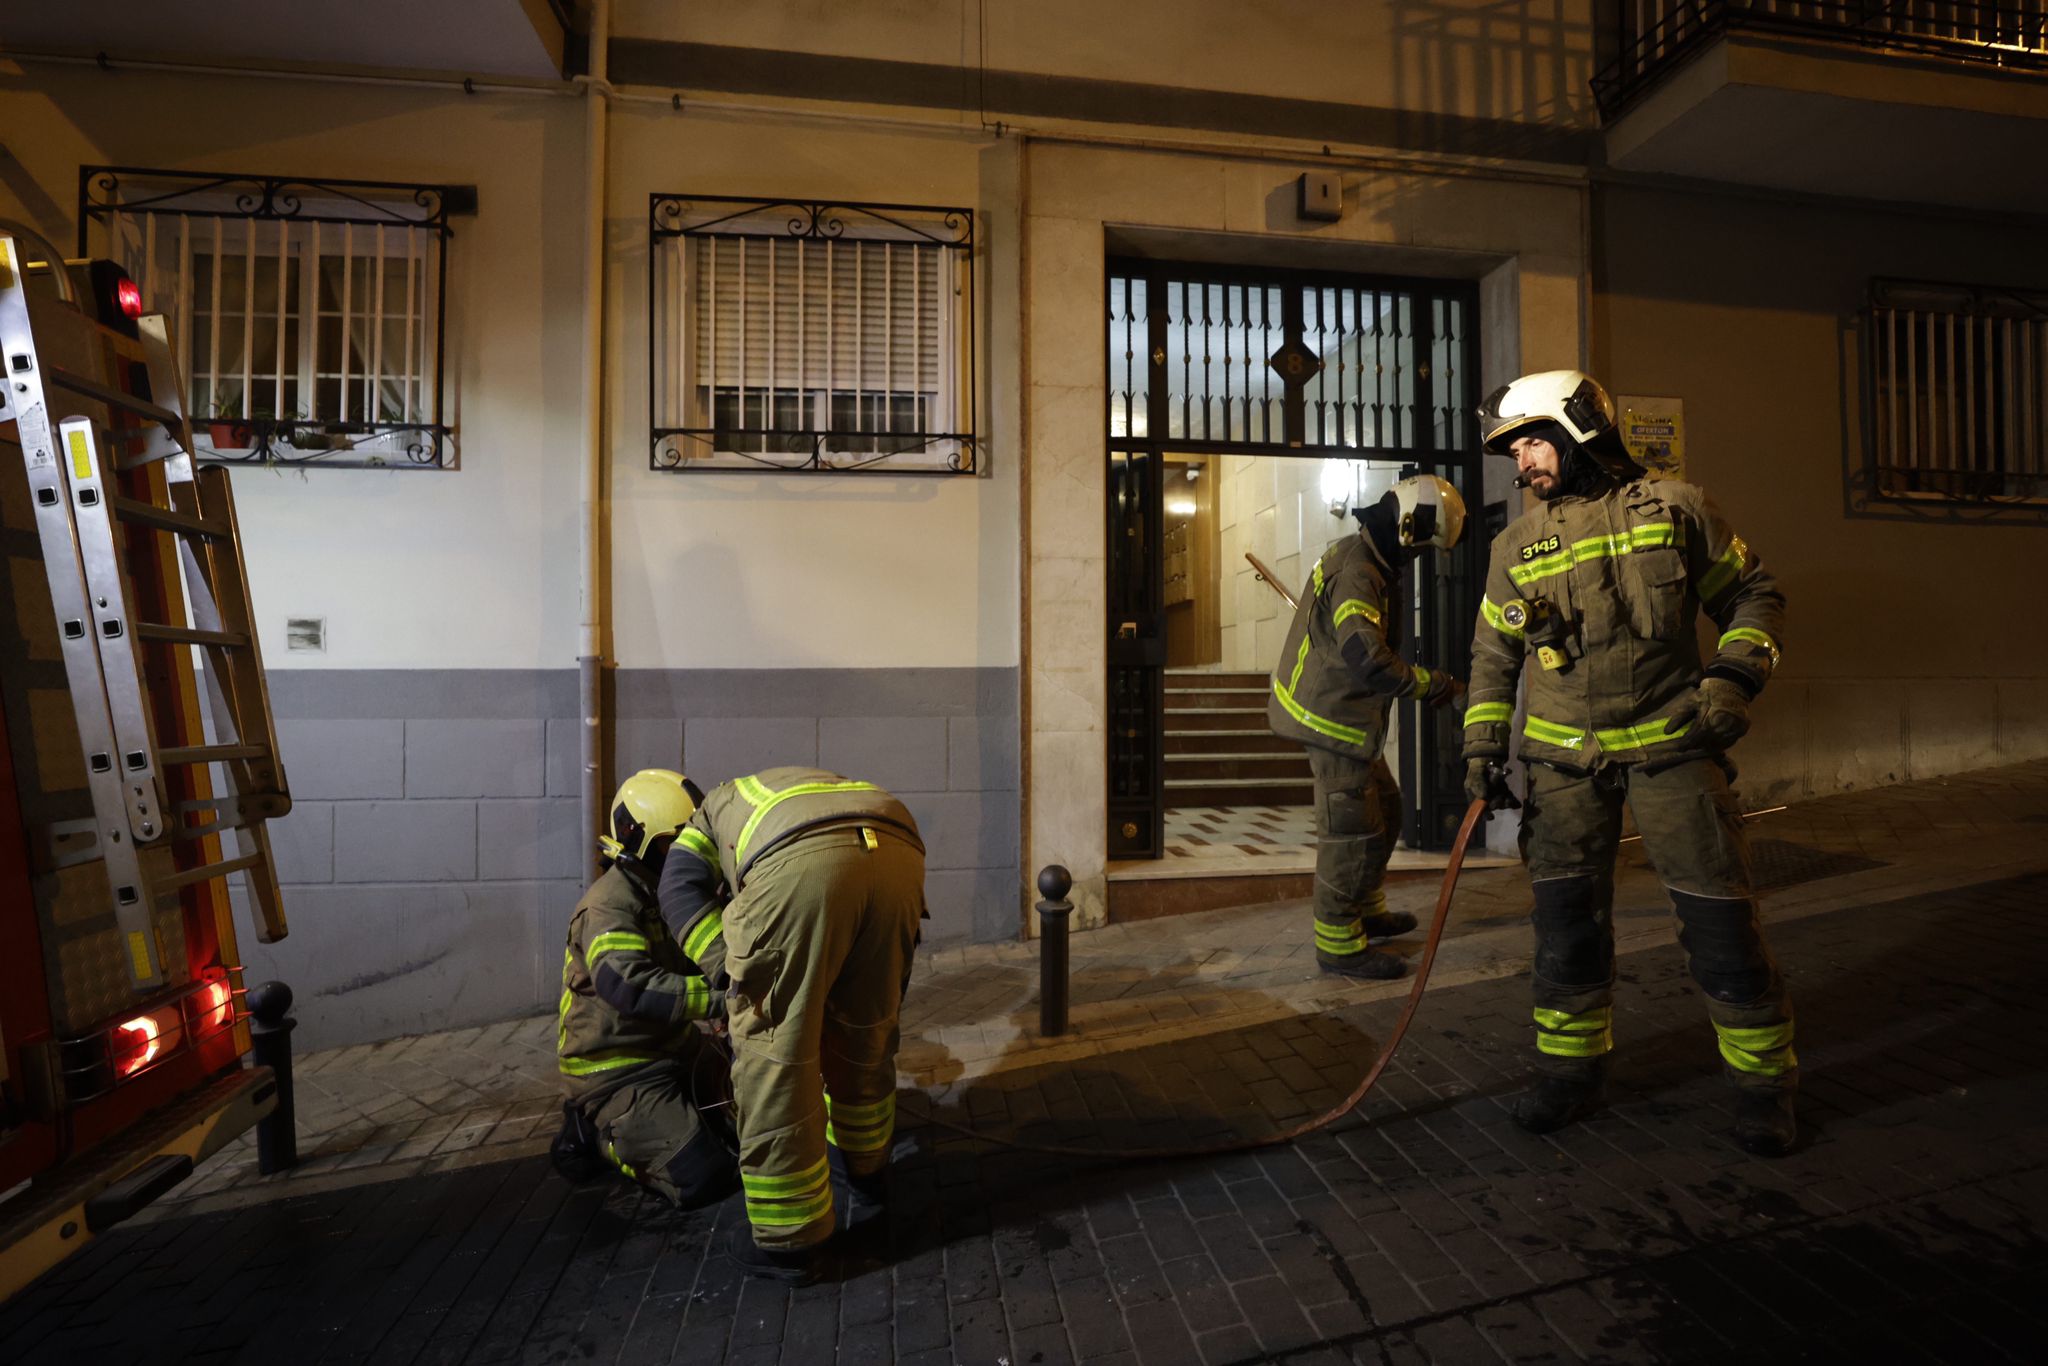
1221,360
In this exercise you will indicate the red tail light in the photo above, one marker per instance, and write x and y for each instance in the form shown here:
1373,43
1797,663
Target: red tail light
135,1044
128,295
216,1008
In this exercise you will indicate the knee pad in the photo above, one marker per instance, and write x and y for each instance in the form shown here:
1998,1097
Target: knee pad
1723,946
703,1170
1573,949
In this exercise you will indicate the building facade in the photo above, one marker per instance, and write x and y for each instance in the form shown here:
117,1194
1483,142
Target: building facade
948,621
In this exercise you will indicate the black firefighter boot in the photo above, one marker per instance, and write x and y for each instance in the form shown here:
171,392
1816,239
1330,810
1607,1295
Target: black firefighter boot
1765,1124
1368,965
1387,924
1555,1099
796,1266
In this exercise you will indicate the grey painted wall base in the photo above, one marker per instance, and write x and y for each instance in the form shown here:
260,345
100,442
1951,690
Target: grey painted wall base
433,853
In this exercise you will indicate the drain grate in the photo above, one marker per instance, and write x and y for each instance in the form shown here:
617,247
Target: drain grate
1781,863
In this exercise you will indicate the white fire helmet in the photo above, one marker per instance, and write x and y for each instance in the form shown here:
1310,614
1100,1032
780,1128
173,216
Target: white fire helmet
1572,399
1428,512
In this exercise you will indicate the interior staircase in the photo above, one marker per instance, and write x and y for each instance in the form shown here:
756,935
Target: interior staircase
1218,749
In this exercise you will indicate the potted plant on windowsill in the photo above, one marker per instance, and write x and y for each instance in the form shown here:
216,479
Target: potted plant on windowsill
226,428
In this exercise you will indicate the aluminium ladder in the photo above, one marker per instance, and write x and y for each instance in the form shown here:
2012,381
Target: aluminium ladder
111,474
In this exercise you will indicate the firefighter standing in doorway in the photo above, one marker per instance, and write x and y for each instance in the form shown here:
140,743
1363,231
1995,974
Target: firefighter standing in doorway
799,892
1333,690
633,1061
1601,585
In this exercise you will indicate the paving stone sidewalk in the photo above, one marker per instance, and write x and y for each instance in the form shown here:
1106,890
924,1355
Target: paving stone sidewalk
1424,1228
439,1102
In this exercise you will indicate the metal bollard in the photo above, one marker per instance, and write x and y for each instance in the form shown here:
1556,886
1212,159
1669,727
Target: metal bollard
277,1135
1053,884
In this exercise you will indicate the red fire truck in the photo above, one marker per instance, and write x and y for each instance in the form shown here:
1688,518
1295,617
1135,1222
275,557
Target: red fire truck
139,766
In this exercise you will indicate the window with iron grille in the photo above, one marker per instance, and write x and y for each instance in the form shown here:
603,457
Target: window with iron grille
307,316
810,336
1956,394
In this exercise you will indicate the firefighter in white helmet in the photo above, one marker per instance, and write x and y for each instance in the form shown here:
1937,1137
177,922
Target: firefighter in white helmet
635,1066
1333,690
1598,588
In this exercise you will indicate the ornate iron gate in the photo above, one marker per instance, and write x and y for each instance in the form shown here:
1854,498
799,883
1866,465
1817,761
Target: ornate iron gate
1223,360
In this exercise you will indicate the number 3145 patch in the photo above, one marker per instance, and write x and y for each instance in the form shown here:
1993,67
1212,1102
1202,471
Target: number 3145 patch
1542,547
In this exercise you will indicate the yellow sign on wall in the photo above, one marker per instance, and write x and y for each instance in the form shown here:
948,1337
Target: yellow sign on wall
1653,429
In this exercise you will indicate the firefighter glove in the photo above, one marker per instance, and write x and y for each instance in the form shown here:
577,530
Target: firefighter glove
1487,780
1443,690
1718,712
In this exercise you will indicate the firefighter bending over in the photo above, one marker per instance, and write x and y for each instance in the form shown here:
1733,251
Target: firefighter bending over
1601,586
633,1061
1334,689
800,892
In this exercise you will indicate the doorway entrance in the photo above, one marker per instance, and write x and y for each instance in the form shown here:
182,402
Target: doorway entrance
1249,411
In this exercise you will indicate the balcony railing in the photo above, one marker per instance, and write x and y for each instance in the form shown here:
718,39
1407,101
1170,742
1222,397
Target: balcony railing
1656,36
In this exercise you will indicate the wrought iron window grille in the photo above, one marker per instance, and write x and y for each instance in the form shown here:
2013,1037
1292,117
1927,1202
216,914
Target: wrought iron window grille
1955,401
309,317
810,336
1653,37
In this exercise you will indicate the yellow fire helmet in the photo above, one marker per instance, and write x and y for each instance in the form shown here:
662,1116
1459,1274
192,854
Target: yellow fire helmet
1428,512
1572,399
651,806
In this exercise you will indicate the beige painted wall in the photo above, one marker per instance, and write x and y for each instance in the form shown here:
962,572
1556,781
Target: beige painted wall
411,569
1452,57
784,571
1521,240
1911,649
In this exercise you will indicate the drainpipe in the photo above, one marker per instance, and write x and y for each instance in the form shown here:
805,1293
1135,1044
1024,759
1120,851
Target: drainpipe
591,631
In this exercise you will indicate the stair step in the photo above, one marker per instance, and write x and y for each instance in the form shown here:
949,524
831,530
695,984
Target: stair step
1206,678
1222,742
1218,718
1231,792
1231,699
1232,767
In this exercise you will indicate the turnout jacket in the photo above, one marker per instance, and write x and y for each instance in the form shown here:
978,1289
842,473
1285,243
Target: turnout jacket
1624,576
628,994
741,821
1339,672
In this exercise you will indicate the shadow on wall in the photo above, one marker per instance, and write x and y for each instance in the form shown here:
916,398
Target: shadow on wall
1509,75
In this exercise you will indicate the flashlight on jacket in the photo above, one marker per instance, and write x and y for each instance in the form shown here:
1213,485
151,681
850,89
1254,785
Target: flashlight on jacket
1543,627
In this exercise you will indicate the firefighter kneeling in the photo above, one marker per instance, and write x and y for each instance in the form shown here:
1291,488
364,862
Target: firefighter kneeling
800,892
634,1063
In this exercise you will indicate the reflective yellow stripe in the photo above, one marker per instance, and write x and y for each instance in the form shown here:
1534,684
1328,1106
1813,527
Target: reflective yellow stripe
1355,607
790,1216
709,926
696,997
1645,537
1722,574
1635,737
1312,721
616,941
1754,637
860,1128
600,1062
766,801
1618,738
1422,677
797,1184
1564,737
1300,663
1494,619
1316,576
1586,1022
1489,713
1575,1045
699,843
1764,1050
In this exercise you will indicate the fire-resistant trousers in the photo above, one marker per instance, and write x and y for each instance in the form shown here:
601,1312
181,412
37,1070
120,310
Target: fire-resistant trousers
818,945
1358,815
652,1130
1692,830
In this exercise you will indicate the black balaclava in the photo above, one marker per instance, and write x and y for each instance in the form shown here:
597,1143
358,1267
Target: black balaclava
1381,524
